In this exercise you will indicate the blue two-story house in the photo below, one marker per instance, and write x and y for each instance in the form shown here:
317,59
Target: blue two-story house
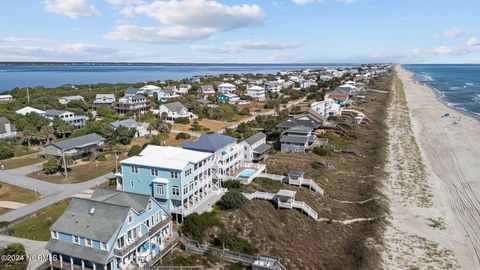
111,230
178,178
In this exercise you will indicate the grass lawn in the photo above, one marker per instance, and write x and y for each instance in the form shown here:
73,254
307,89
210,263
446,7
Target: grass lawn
37,226
79,173
213,125
22,150
15,162
16,194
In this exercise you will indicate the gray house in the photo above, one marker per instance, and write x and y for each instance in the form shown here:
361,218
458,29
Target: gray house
7,130
255,147
75,148
297,139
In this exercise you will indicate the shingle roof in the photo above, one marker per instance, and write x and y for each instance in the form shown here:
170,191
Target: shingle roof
55,112
137,201
77,142
3,122
293,139
175,107
102,225
128,123
262,148
132,91
105,96
81,252
255,138
209,142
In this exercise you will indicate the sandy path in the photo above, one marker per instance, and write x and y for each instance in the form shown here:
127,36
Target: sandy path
451,151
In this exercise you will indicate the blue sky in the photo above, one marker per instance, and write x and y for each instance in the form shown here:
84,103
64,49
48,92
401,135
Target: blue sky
322,31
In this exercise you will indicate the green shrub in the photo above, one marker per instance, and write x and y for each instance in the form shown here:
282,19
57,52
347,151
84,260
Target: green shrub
51,166
182,136
196,225
101,157
14,251
234,243
232,184
321,151
85,159
315,165
182,120
233,199
268,182
134,151
6,151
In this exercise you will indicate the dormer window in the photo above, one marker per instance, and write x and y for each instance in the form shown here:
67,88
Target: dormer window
103,246
54,234
88,242
76,239
130,218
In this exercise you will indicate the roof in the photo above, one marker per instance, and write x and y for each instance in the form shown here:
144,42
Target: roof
175,107
256,87
166,157
55,112
82,252
6,96
77,97
255,138
262,148
138,202
101,225
303,120
25,110
204,101
128,123
286,193
296,173
226,85
150,87
78,142
105,96
3,122
293,139
209,142
207,87
132,91
300,128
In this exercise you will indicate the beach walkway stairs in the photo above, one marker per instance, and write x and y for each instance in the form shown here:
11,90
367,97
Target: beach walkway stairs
255,262
305,182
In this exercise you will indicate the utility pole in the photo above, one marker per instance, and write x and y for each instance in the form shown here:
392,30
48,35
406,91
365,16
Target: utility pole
28,94
65,164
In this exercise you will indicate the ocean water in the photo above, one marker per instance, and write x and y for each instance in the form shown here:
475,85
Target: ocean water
53,75
457,85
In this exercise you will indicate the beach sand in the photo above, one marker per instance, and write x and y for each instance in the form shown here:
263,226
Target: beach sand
433,184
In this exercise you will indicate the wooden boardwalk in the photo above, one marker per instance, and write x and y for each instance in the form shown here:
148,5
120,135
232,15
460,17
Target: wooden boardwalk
312,185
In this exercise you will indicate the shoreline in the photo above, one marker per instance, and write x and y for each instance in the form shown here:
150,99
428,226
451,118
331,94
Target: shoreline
439,93
449,224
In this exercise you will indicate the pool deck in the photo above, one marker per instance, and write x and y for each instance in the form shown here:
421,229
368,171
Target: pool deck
257,167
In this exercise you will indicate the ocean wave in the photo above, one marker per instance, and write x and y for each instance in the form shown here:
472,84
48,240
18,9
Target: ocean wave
424,77
469,84
455,88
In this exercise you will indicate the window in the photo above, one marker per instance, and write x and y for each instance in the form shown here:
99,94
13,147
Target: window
160,189
103,246
188,172
174,175
149,207
130,218
132,184
154,172
176,190
54,234
76,239
88,242
134,169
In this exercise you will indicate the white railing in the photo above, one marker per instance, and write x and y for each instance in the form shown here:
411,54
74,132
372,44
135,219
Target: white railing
306,208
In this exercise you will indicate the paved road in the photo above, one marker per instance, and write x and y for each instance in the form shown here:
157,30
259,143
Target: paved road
51,193
32,248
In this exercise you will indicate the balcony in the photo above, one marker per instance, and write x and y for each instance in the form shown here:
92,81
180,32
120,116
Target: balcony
67,265
137,242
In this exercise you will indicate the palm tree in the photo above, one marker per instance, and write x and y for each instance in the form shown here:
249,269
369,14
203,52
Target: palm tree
46,133
29,133
163,127
62,128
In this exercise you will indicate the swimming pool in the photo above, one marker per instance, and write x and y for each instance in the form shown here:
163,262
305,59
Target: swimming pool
246,173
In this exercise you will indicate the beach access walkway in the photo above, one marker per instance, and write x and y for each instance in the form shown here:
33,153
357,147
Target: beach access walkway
305,182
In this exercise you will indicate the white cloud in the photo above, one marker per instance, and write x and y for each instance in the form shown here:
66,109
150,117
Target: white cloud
70,8
20,39
303,2
254,44
124,2
450,51
473,42
157,34
201,14
452,33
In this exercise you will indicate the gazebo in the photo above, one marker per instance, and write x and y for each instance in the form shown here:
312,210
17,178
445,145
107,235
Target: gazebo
295,175
285,198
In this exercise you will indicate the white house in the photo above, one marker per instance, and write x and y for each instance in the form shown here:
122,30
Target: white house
66,100
103,99
232,98
149,90
256,92
26,110
184,88
226,88
69,117
141,130
166,94
175,110
6,98
206,90
7,130
255,147
327,107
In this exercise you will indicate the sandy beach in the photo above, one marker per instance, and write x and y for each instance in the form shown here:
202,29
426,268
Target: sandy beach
434,182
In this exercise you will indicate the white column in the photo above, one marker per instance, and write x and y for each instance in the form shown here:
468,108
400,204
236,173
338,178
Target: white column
61,261
71,263
94,266
83,265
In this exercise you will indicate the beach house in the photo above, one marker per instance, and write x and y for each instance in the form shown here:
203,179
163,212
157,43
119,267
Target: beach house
180,179
226,88
6,98
27,110
134,104
174,111
140,130
67,99
255,147
7,130
110,231
340,96
256,92
184,88
149,90
77,121
206,90
75,148
298,133
327,107
103,99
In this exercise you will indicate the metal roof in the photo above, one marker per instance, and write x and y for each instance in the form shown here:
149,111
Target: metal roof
78,142
262,148
293,139
128,123
209,142
82,252
255,138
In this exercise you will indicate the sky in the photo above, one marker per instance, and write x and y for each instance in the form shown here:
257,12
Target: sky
241,31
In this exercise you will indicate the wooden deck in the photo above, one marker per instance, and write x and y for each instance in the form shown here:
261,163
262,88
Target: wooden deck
312,185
